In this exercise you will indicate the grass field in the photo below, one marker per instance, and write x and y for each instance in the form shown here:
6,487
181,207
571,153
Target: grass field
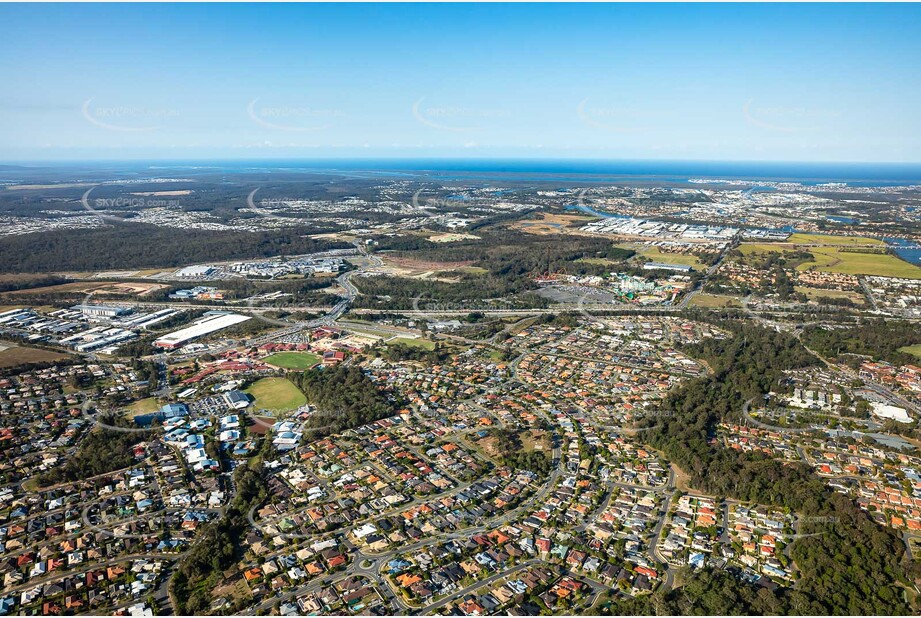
293,360
277,394
880,264
814,293
414,343
12,355
831,258
143,406
711,301
749,248
825,239
914,350
657,255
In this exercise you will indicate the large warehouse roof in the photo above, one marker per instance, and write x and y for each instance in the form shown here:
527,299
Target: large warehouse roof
208,324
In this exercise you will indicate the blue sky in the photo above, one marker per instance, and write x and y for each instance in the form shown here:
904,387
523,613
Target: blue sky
807,82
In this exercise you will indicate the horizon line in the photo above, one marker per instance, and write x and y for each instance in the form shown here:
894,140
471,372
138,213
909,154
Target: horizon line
416,158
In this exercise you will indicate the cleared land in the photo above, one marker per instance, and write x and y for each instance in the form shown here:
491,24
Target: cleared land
815,293
293,360
276,394
714,300
657,255
415,343
551,224
825,239
13,355
452,237
85,287
418,269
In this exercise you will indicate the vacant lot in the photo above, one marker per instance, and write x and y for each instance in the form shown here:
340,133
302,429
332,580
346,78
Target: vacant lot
452,237
714,300
276,394
422,269
551,224
657,255
143,406
100,288
824,239
293,360
415,343
815,293
12,355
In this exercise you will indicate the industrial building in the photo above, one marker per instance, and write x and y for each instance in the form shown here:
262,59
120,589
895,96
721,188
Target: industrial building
196,272
663,266
101,311
211,322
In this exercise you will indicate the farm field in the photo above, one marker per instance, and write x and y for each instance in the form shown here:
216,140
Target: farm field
293,360
276,394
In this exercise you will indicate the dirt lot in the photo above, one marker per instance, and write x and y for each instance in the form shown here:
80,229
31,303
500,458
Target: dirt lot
452,237
550,223
12,354
85,287
419,269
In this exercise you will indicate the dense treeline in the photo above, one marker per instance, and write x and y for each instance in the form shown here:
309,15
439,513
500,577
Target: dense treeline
876,338
298,289
511,255
400,292
103,450
136,245
510,260
713,592
218,547
28,283
852,566
345,397
395,352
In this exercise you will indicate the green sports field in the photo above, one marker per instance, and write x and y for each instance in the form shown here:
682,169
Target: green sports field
293,360
276,394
